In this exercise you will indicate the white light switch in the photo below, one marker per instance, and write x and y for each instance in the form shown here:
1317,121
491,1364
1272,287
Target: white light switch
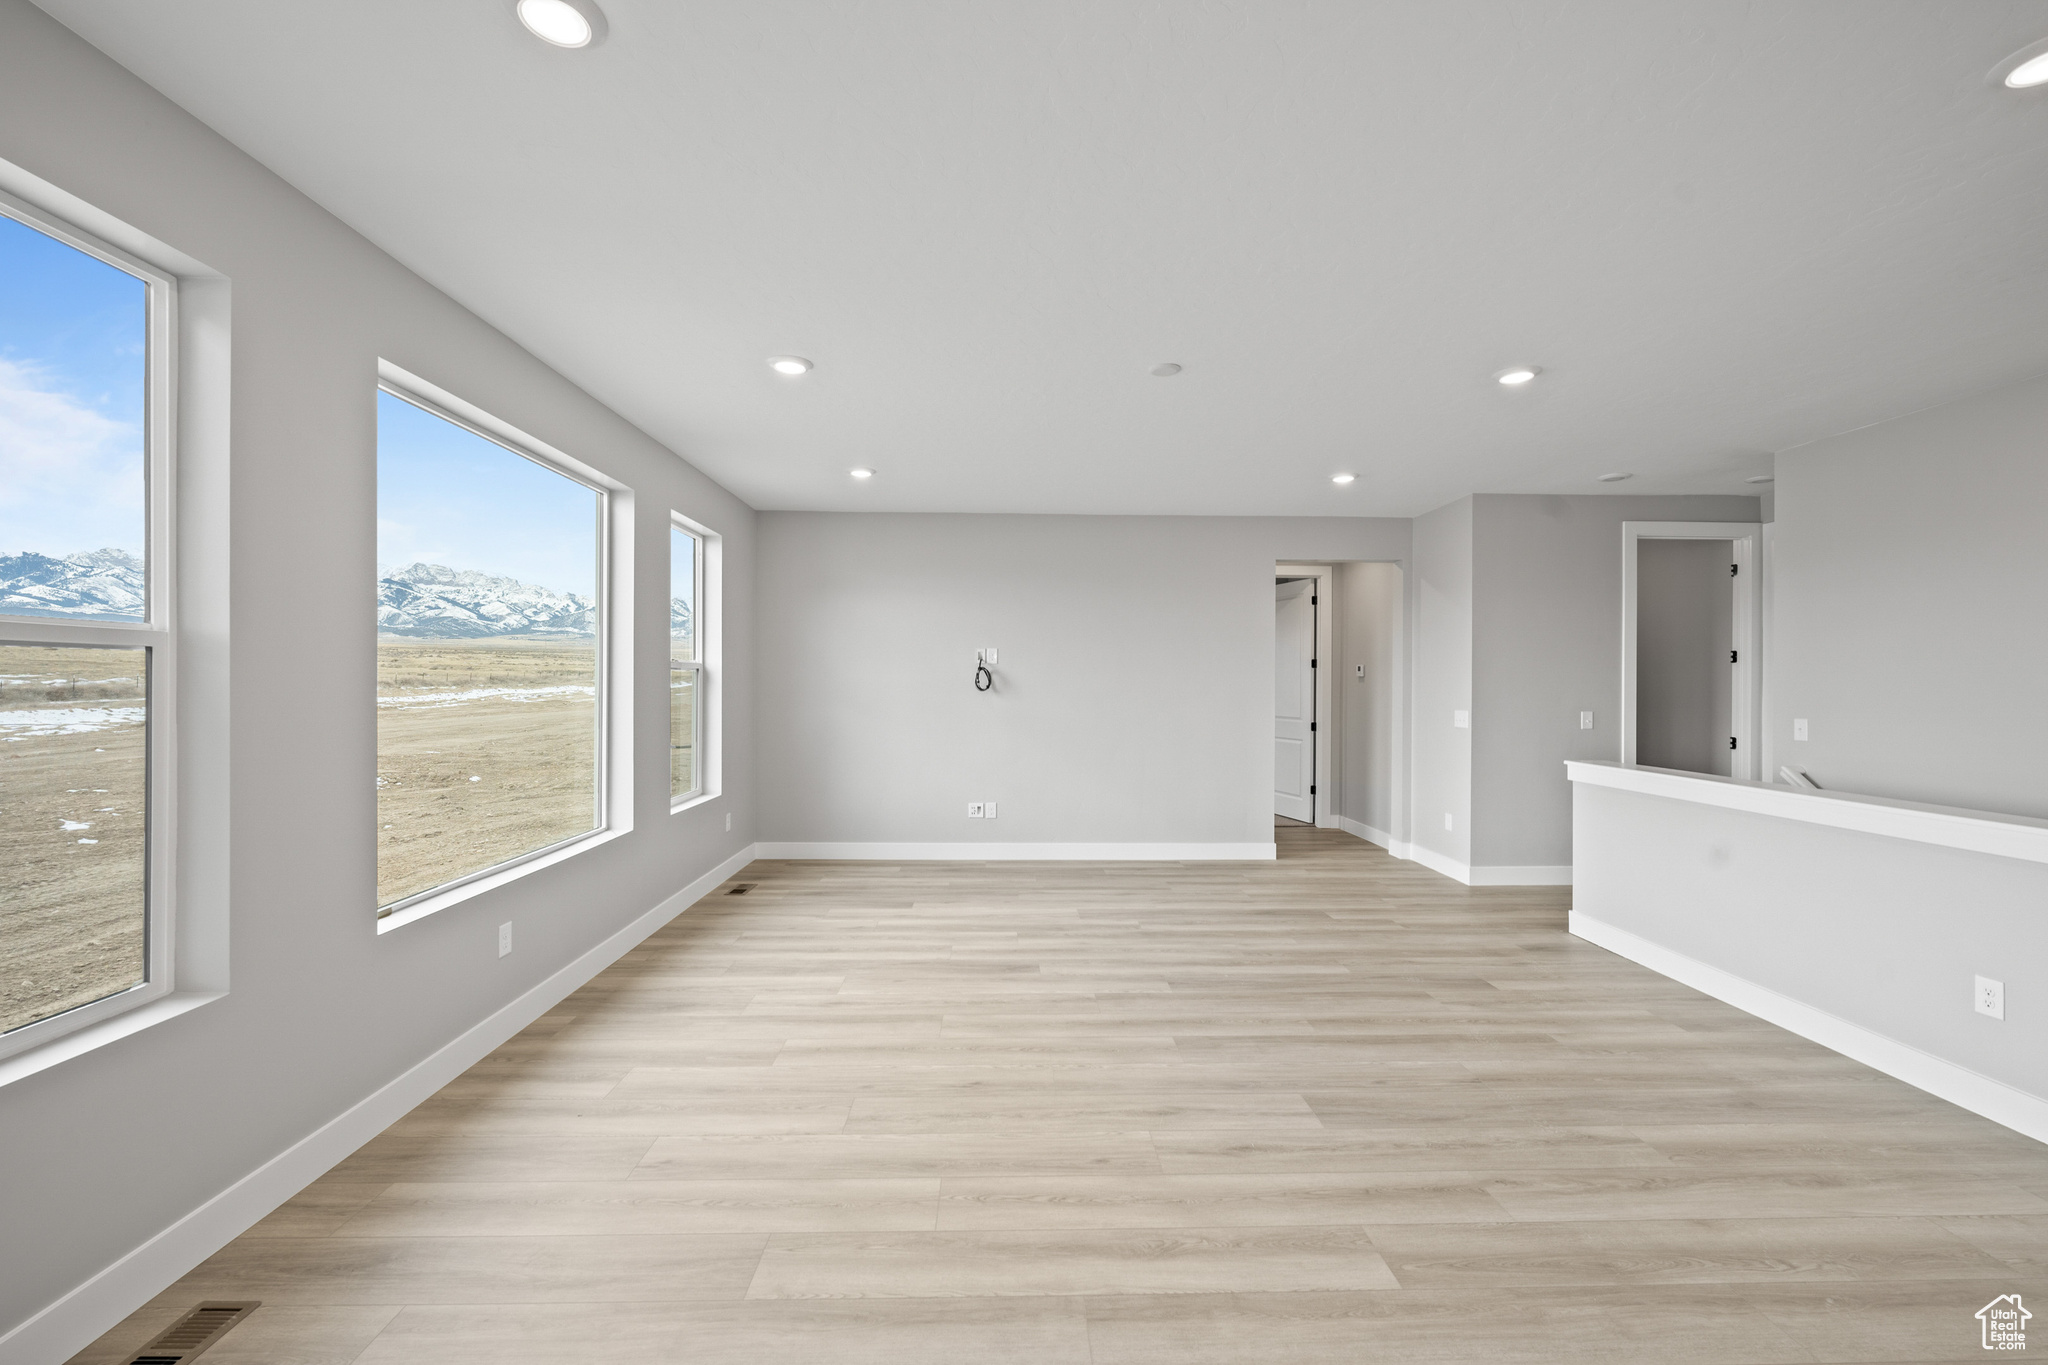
1359,670
504,939
1585,720
1462,719
974,810
1799,729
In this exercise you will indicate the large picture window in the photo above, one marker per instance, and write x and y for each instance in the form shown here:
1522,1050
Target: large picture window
85,633
490,652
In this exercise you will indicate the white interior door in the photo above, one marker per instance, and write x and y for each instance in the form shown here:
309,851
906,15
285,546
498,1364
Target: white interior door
1294,700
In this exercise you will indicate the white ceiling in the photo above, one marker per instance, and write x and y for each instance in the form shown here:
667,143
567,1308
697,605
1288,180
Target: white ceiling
1723,228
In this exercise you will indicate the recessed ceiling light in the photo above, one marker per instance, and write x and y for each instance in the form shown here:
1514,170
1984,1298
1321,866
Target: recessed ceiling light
565,23
1615,478
1514,376
1342,478
790,365
1761,478
1166,369
2026,68
862,473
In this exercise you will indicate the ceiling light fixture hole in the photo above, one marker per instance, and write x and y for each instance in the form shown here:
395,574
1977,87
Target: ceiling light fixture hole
1165,370
1615,478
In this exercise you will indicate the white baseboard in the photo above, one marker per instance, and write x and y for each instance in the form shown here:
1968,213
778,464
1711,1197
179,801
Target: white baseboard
1493,875
1372,835
1010,853
1971,1090
72,1322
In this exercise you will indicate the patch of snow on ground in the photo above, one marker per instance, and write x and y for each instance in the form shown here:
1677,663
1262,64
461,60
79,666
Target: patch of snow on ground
412,701
67,720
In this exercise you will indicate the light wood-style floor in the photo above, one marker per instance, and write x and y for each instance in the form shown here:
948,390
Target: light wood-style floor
1335,1109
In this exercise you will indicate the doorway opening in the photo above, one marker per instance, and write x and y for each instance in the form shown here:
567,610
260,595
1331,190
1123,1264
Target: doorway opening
1691,641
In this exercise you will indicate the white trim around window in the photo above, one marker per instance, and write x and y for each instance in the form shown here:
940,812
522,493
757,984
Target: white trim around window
706,627
615,649
185,457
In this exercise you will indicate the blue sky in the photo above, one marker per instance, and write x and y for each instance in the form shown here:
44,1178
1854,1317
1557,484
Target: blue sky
74,337
447,496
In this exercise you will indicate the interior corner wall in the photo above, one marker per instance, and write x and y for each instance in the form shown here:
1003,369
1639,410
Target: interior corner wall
1546,632
1370,602
1440,753
1133,697
1910,589
322,1010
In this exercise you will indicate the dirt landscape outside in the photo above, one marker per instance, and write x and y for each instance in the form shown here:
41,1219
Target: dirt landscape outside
73,773
486,749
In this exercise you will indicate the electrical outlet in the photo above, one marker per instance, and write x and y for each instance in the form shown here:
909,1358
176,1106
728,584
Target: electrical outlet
504,939
991,653
1799,729
974,810
1585,720
1461,719
988,810
728,822
1990,997
1447,819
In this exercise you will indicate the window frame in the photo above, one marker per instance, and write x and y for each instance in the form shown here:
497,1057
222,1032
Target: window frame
156,634
614,648
694,666
704,630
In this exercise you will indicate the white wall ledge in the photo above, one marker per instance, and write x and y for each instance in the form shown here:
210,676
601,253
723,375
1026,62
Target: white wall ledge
2005,836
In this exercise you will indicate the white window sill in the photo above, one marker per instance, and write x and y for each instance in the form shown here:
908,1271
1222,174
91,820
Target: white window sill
691,802
492,879
110,1030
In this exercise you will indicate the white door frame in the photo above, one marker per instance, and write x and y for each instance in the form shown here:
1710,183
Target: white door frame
1325,796
1746,698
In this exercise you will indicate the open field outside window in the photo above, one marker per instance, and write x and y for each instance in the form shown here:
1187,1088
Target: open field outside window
490,670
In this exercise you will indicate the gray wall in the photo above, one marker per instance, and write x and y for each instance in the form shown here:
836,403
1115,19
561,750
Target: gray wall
1370,602
323,1010
1685,629
1910,611
1546,626
1441,637
1134,692
1868,928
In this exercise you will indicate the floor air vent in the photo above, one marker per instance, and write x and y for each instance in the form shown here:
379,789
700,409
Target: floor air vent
742,889
192,1334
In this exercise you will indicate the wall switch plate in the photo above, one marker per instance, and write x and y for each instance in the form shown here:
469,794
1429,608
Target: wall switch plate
1799,729
1585,720
1359,671
988,810
1461,719
728,822
504,939
1990,997
974,810
1447,819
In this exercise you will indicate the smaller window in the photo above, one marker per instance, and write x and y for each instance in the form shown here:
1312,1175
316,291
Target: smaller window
685,665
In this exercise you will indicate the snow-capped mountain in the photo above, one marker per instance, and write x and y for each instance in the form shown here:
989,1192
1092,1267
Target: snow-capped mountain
102,584
434,602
